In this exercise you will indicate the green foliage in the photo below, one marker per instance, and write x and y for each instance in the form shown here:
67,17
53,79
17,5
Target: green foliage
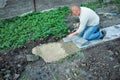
71,57
94,4
81,54
60,61
17,31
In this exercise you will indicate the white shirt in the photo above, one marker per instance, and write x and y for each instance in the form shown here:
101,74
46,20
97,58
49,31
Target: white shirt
87,18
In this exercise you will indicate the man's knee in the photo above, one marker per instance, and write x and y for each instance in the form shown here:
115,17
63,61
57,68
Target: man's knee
87,38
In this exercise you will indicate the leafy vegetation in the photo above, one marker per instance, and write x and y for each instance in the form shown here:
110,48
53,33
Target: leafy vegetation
17,31
81,54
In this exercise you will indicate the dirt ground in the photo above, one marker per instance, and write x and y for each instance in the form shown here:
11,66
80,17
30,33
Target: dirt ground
101,62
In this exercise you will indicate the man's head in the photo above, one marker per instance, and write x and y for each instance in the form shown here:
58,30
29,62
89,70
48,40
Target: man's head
75,10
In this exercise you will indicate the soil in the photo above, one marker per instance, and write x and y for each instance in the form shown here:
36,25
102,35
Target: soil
101,62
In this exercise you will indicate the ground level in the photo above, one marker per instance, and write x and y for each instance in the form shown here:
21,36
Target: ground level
101,62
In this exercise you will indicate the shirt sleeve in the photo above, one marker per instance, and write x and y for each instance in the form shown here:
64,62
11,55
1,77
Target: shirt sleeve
82,25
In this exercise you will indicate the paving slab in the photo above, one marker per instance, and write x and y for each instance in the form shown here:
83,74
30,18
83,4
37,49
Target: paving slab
112,33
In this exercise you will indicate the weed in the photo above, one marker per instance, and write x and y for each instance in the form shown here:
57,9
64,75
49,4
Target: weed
71,57
79,53
60,61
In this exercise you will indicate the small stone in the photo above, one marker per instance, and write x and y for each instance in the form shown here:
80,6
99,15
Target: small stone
32,57
75,74
116,53
20,57
3,70
7,76
8,71
90,76
19,65
116,66
16,76
69,79
90,69
67,70
84,64
1,58
110,17
110,52
111,58
68,31
95,72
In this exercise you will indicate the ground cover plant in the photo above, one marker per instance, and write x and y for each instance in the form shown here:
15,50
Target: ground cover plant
17,31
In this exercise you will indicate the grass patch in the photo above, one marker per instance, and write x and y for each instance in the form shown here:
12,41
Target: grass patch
19,30
80,54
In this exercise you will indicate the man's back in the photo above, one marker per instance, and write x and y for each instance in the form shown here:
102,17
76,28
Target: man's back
88,17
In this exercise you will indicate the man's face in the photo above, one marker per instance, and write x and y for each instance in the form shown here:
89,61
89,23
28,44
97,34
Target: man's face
75,12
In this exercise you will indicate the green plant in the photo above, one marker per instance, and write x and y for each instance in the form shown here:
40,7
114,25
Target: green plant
71,57
19,30
79,53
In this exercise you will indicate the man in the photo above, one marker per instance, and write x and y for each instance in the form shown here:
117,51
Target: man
89,23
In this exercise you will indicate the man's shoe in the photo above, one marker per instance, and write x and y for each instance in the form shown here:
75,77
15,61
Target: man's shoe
103,33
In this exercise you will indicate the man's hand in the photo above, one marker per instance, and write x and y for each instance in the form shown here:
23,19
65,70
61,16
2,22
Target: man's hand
70,35
76,25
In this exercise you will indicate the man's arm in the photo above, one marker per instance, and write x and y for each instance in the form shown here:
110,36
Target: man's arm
72,34
83,22
81,28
